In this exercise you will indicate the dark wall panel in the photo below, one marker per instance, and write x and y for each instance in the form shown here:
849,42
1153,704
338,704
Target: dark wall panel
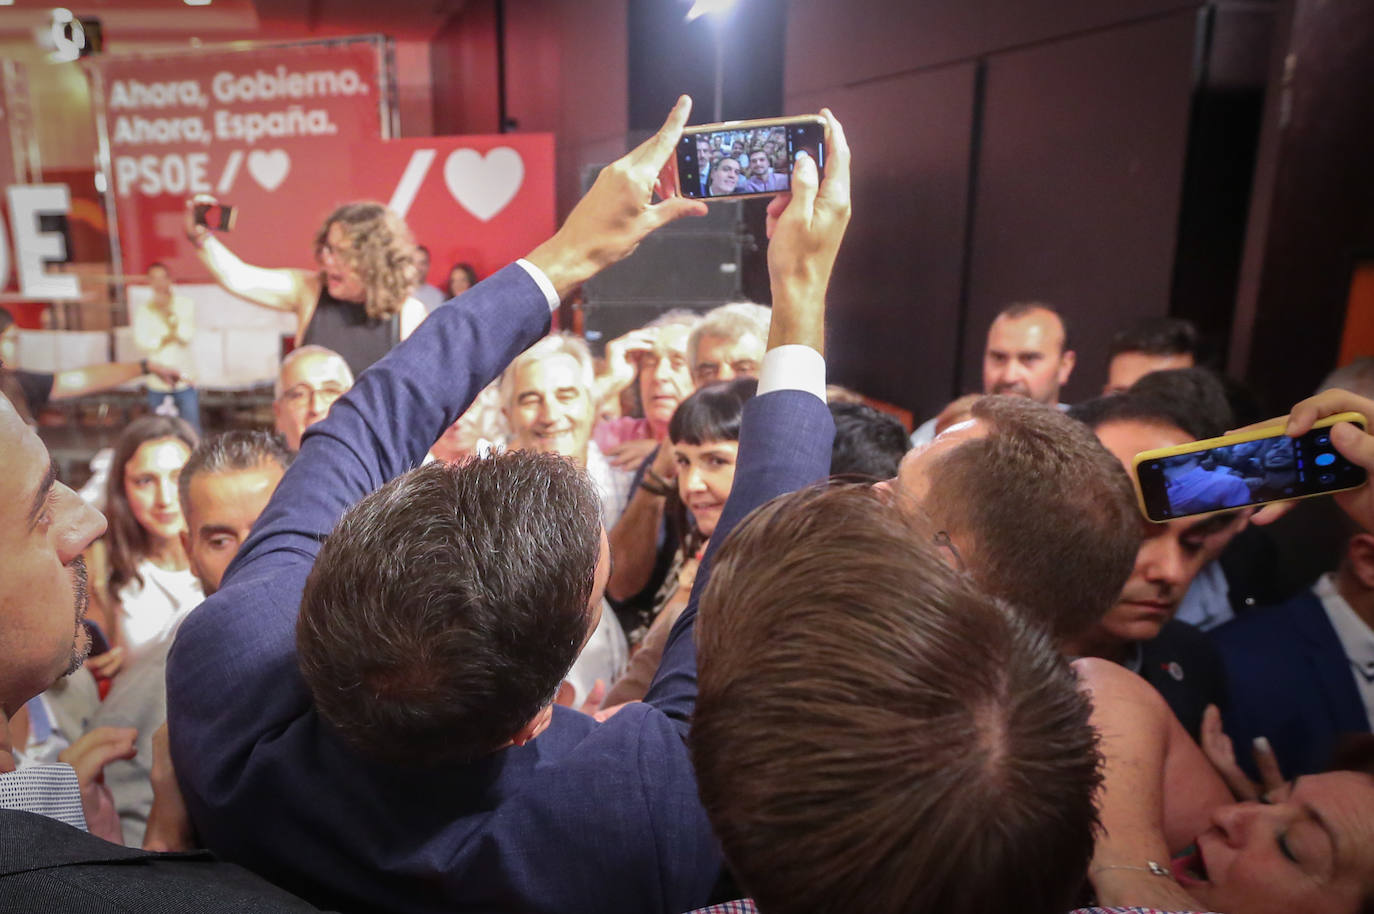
1314,201
894,297
1078,184
894,36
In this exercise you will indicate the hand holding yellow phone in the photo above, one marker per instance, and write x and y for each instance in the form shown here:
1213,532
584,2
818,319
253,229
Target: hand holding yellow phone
1248,468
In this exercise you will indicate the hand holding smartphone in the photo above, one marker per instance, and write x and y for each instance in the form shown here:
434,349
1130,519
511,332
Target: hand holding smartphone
1243,469
741,159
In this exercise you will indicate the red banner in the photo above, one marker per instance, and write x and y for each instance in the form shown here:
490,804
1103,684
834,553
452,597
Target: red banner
268,131
483,200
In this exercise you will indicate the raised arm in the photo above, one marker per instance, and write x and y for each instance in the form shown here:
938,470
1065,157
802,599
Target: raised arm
77,382
280,289
786,433
1158,791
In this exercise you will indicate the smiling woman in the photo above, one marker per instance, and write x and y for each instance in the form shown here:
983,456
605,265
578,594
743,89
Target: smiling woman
357,303
150,581
704,434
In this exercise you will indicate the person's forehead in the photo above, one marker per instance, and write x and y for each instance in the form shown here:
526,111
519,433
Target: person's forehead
914,468
159,454
726,346
1127,437
1344,800
1038,330
211,498
314,368
550,372
673,337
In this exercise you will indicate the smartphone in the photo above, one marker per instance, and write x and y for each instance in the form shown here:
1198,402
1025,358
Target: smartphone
216,216
739,159
1244,469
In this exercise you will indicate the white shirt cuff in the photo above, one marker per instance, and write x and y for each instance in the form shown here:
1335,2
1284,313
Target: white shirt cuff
793,367
541,281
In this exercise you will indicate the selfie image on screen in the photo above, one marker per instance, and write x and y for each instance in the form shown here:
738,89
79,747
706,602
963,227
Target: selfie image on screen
730,163
1245,473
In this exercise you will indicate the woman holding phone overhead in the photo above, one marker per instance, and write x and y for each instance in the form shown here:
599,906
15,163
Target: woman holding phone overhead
357,302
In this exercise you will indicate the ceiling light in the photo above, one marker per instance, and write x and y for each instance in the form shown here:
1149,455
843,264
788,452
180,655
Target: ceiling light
707,7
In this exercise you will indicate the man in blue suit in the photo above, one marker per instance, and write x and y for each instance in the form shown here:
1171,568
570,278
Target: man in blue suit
364,711
1301,674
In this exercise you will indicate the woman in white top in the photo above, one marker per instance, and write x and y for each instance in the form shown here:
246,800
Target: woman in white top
150,577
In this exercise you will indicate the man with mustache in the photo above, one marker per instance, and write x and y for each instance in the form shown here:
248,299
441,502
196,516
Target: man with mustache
43,600
51,862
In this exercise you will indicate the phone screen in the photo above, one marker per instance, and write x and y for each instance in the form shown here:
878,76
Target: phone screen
1245,473
215,216
746,159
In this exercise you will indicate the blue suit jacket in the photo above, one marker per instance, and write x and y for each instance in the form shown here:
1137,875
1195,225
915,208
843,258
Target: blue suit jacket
1289,681
588,817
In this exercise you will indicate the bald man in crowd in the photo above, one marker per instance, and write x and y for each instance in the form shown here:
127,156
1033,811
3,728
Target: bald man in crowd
311,379
1027,355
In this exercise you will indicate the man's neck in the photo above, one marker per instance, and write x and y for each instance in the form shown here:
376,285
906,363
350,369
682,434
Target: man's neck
1098,643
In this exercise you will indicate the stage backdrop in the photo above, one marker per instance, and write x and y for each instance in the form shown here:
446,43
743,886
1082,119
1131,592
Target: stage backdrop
483,200
268,130
287,134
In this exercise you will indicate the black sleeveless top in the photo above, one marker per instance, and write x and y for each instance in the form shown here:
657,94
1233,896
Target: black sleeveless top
345,327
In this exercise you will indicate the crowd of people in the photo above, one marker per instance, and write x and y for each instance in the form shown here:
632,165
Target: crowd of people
488,624
752,161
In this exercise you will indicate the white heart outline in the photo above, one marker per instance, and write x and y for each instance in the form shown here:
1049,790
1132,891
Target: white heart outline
269,167
484,185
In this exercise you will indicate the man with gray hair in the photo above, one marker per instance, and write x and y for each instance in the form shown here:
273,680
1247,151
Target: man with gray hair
728,343
311,379
547,398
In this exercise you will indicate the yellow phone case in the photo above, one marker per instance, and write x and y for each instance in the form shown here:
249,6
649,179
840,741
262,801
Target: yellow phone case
1268,431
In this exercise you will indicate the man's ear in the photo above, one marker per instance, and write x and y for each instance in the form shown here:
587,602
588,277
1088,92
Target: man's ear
185,535
1360,555
537,725
1066,363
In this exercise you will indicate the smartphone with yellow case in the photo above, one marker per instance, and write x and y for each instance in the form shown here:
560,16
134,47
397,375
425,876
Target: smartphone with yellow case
1243,469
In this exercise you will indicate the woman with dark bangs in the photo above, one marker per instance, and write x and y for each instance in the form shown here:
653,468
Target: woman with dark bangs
704,436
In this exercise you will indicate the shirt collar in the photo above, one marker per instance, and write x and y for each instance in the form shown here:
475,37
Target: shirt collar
1357,640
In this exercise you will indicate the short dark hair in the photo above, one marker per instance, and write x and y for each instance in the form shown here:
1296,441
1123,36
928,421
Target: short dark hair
1192,400
873,733
1156,336
869,444
232,452
711,413
445,608
1020,309
1049,511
